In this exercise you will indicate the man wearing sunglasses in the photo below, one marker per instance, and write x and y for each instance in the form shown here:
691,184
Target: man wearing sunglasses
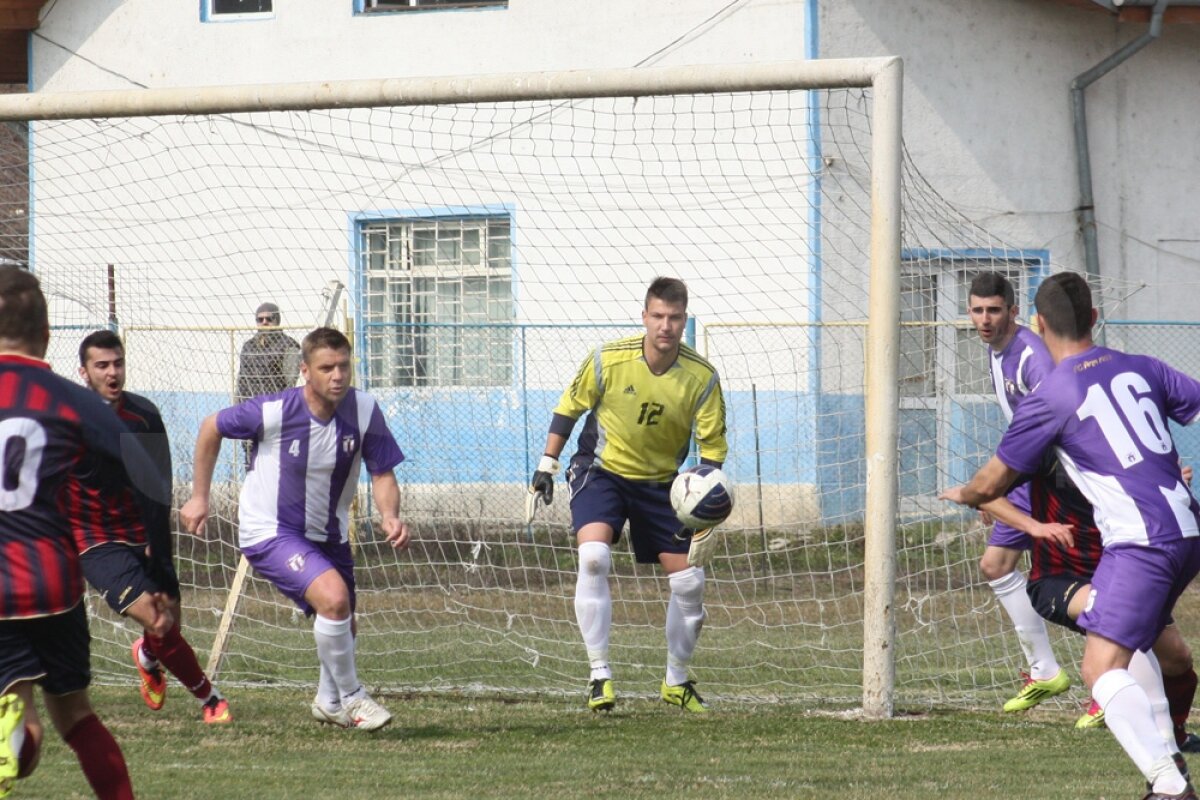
270,360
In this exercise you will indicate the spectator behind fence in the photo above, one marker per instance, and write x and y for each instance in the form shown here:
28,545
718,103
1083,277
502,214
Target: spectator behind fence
270,359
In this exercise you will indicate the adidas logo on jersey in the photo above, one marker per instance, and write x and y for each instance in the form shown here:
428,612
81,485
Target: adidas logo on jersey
630,390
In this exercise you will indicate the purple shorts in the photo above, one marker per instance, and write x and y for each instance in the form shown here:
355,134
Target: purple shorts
292,562
1005,536
1135,589
598,495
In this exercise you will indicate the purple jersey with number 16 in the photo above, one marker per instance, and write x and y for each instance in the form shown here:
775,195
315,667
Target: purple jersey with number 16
1105,412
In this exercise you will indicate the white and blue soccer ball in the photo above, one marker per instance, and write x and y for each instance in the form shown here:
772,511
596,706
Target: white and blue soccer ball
701,497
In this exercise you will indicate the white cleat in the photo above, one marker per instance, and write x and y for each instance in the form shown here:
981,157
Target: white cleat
366,714
337,716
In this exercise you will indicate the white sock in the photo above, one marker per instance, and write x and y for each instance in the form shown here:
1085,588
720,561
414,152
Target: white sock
1145,669
1031,628
685,618
327,691
335,651
17,740
1128,715
593,605
146,661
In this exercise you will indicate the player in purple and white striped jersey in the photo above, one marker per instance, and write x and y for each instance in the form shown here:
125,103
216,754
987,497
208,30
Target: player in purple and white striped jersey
308,444
1105,413
1019,361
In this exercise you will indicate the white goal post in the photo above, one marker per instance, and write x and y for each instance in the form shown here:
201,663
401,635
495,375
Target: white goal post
883,76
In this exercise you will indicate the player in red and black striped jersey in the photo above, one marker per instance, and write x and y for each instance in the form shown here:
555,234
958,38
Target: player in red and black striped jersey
1053,497
115,557
1060,579
48,426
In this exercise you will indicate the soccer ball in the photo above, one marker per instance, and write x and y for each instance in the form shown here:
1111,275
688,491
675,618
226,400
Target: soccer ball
701,497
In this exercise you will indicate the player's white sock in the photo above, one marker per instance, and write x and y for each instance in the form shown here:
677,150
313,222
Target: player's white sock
1145,669
146,661
327,692
593,605
685,618
1030,627
1128,715
335,651
17,740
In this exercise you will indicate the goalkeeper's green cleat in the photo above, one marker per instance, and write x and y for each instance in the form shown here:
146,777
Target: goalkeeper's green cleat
601,696
1034,692
685,696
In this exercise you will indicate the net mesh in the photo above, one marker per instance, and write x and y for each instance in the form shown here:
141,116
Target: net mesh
475,254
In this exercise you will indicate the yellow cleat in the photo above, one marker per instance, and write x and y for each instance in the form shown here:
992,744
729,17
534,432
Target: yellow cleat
685,696
1092,718
601,696
1034,692
12,714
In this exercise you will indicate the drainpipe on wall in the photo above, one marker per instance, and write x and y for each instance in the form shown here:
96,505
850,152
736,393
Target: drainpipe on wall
1083,164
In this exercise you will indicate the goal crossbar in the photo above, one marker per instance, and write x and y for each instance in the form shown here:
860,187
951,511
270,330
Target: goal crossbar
780,76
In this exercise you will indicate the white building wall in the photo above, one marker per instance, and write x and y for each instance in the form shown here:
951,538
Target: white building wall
988,123
188,202
150,43
987,114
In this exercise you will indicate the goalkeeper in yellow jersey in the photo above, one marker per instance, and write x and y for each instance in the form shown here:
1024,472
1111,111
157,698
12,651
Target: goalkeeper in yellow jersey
647,396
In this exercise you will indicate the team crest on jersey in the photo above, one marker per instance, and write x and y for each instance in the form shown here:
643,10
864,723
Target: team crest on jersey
348,443
1010,388
296,562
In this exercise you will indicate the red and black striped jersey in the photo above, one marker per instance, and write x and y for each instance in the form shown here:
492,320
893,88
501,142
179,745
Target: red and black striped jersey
107,510
1054,498
47,426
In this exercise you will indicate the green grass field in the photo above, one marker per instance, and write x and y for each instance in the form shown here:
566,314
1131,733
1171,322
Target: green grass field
475,747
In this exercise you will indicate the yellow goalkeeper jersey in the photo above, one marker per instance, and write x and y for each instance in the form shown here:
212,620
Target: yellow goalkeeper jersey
641,424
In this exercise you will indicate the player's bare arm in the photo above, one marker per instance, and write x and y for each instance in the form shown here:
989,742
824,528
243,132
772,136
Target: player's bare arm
386,492
208,447
1004,511
990,482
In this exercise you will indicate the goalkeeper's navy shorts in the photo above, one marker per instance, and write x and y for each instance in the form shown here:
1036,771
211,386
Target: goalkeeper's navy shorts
122,573
598,495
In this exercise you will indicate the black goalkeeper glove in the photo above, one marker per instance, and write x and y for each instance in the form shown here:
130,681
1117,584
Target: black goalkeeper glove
541,485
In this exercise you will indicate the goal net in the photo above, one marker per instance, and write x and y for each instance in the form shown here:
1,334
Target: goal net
475,249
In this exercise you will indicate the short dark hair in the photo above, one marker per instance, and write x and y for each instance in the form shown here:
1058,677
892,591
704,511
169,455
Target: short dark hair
669,290
101,340
993,284
323,337
24,320
1064,302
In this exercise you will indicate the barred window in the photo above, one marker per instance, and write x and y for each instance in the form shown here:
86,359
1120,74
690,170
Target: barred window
223,10
437,302
418,5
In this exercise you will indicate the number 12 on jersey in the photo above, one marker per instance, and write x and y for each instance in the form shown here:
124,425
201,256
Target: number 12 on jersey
650,413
